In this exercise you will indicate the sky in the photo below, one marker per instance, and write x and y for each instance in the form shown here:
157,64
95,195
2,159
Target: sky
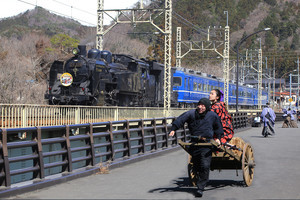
84,10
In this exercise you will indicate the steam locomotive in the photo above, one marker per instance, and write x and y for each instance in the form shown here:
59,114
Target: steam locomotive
101,78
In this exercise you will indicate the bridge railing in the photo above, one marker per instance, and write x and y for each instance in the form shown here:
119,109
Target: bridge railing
25,115
37,154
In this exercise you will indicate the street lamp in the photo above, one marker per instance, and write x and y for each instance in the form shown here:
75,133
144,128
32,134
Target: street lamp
280,85
237,63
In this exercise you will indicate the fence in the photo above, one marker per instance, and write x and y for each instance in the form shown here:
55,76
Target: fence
18,116
35,155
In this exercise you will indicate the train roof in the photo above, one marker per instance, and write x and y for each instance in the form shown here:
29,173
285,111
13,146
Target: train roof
127,58
197,73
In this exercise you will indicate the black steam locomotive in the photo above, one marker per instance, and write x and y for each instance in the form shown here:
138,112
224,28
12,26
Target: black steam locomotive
101,78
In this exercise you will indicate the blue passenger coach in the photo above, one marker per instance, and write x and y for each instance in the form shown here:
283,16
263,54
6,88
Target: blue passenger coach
191,86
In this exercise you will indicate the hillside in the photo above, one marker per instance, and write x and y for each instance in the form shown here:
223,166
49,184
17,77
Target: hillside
246,17
41,21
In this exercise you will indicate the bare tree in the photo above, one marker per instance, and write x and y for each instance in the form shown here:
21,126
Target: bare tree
19,69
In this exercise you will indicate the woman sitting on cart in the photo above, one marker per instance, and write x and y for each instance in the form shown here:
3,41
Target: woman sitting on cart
218,106
203,124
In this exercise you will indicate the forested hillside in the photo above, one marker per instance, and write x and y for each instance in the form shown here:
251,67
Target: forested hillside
32,40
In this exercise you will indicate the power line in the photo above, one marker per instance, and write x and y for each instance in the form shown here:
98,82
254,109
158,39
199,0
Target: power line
58,13
72,7
188,23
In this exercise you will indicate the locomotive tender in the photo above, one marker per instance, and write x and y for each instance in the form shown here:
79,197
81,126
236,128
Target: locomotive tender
101,78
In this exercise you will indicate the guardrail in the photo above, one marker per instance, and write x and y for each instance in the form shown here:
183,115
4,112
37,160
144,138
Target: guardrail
36,155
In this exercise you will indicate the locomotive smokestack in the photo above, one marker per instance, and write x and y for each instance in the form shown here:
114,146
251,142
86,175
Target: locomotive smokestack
82,50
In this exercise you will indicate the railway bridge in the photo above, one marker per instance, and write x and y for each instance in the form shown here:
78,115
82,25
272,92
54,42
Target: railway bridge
276,175
42,156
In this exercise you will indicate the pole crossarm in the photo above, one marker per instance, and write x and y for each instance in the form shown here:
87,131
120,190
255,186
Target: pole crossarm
125,16
202,46
207,45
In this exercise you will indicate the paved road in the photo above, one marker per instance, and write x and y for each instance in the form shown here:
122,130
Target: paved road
277,175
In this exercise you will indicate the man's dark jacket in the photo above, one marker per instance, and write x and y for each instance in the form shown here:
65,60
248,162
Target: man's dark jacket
204,126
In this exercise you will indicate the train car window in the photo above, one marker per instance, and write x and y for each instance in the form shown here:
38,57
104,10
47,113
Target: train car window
205,87
177,81
185,83
195,86
200,87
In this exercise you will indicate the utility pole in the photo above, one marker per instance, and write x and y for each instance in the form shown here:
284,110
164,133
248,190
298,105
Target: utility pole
269,77
178,47
298,83
142,15
290,88
100,21
274,89
207,45
167,61
226,62
259,76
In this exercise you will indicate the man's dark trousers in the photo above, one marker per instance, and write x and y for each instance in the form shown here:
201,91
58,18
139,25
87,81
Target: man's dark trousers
201,158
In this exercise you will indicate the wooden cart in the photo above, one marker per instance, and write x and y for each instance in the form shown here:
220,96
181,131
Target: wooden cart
236,155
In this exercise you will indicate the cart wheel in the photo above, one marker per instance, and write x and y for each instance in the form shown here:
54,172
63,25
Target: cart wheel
248,164
192,174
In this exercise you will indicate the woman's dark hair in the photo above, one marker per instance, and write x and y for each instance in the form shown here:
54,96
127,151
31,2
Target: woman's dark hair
218,93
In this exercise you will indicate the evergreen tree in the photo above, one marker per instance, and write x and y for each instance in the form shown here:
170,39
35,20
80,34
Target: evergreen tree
270,41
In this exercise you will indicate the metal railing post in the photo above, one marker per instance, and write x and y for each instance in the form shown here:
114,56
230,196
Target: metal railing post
128,138
91,152
40,153
68,148
5,159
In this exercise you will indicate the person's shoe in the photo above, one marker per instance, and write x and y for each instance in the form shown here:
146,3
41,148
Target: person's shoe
199,193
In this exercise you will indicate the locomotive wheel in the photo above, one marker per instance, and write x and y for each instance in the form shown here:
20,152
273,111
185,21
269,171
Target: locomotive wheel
248,164
192,174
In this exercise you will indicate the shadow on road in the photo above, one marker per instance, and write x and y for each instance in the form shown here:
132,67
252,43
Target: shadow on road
260,136
183,185
215,184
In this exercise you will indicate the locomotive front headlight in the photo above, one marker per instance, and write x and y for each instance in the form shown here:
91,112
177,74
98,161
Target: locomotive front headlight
75,51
